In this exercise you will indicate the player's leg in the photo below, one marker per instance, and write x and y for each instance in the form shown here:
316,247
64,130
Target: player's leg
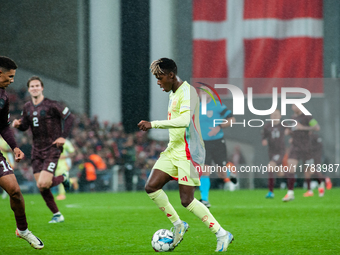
321,180
224,238
318,173
205,186
281,177
308,164
153,187
271,179
44,182
292,164
220,157
10,185
188,179
307,175
61,189
328,183
223,167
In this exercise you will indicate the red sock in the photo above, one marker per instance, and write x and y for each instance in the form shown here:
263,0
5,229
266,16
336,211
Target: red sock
49,199
308,183
271,181
21,222
290,181
57,180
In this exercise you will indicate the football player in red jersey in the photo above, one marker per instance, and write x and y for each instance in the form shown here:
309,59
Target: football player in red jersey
273,135
300,147
7,178
50,123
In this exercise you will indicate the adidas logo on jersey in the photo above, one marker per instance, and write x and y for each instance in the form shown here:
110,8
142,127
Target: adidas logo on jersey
185,179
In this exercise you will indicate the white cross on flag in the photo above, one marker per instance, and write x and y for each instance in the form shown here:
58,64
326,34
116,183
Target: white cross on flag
258,39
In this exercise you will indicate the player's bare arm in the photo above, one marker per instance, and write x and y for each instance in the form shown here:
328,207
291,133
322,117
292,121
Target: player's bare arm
214,130
264,142
144,125
228,124
16,123
60,142
18,154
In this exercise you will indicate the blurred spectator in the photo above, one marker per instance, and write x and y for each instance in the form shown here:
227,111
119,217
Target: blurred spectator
237,157
128,153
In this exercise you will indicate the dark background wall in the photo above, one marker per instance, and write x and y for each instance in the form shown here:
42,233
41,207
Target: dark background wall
135,62
41,35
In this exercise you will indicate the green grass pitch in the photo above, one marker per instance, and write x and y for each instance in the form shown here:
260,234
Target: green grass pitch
123,223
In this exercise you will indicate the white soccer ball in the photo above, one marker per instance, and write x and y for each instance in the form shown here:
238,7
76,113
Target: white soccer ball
162,240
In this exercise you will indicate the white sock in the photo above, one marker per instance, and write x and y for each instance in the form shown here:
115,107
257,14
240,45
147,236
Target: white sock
23,232
57,213
290,192
220,232
177,222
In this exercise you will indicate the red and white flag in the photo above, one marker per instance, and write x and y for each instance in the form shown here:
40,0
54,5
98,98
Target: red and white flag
258,39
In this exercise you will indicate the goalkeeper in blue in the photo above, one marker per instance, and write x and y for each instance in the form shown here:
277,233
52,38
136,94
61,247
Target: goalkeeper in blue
183,158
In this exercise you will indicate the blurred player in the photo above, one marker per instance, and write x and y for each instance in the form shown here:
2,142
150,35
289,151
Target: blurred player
64,166
183,156
316,152
273,135
213,137
7,178
300,147
50,124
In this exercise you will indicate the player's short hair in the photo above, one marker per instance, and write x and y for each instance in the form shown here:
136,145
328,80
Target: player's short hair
33,78
7,64
163,66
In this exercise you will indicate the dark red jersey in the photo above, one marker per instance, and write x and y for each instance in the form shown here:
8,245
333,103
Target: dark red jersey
5,129
316,143
275,135
45,121
301,138
4,109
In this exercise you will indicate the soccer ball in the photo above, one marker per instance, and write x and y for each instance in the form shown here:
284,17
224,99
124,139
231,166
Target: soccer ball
162,240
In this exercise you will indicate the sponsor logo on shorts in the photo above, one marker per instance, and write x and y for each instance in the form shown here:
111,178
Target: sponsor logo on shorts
185,179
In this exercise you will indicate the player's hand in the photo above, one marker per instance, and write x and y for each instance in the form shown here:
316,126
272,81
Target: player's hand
16,123
264,142
214,130
60,142
19,155
144,125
